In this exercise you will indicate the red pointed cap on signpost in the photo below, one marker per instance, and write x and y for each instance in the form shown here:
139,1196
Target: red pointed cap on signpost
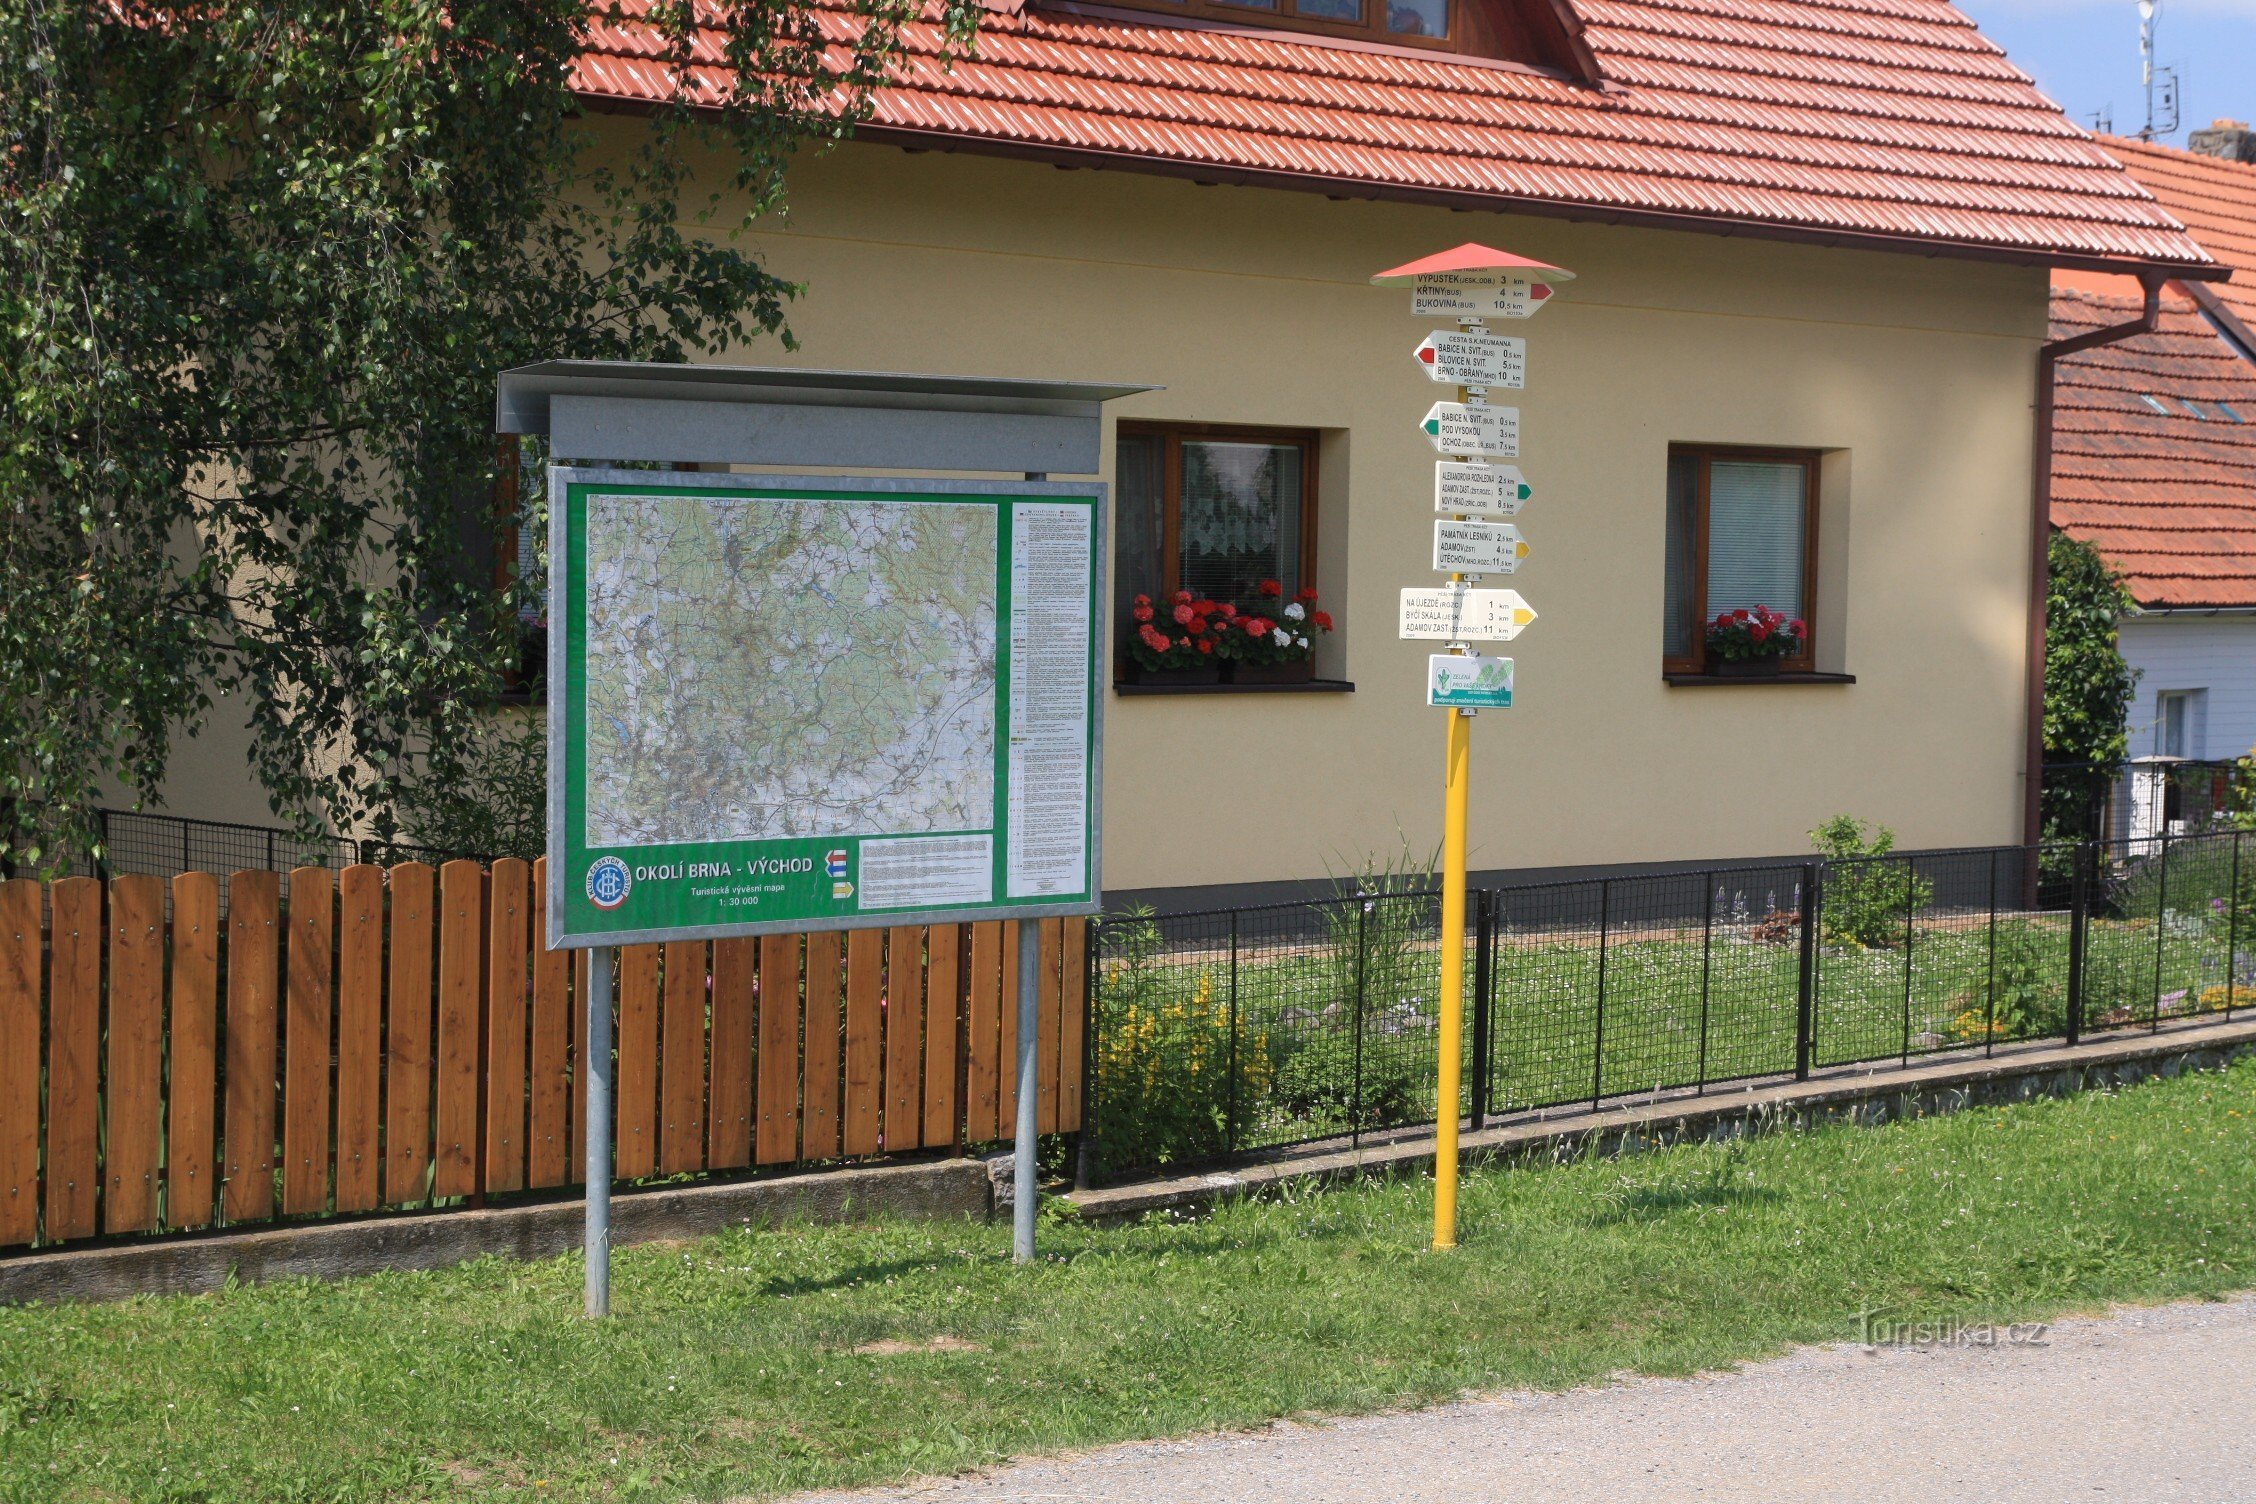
1473,258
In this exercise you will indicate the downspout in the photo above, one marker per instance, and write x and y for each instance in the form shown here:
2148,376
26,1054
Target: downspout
2040,535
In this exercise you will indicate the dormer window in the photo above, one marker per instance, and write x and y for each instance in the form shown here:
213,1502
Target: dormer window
1539,33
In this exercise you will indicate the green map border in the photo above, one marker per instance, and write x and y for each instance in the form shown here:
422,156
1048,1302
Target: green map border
804,901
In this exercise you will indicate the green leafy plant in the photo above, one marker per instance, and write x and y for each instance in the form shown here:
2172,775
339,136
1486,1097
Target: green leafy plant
2087,686
1868,901
1324,1084
259,263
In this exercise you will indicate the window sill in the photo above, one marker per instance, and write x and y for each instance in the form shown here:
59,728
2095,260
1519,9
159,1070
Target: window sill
1311,687
1705,681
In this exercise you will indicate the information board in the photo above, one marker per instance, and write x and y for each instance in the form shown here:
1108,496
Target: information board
787,703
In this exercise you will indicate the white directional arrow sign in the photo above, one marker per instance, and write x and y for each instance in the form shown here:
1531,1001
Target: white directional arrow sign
1473,428
1475,295
1459,613
1478,547
1471,358
1479,490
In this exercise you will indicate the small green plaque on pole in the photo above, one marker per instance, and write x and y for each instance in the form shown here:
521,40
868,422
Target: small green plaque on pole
1469,683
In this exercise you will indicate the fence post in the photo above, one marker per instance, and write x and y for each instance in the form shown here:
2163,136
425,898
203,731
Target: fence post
1084,1146
1482,978
102,862
2161,932
2232,930
1989,986
1708,891
1805,1002
2079,904
1363,902
1911,912
1598,1031
1230,1105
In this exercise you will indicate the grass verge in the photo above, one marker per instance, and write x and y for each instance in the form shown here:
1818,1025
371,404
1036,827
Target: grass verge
763,1361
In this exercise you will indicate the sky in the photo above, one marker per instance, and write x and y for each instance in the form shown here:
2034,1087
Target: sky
2085,54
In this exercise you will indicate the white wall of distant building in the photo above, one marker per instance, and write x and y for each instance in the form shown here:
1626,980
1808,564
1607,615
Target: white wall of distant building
2210,659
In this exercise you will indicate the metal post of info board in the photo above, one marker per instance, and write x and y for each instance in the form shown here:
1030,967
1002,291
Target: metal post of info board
1471,283
599,1153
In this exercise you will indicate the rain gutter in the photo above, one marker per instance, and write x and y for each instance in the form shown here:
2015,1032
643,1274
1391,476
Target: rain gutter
2040,532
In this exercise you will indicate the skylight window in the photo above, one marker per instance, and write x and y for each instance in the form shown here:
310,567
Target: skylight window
2155,403
2231,412
1520,31
2193,408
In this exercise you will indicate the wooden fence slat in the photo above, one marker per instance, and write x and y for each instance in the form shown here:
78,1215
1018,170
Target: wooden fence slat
776,1135
1051,993
508,948
308,956
191,1126
74,1041
360,1034
22,950
581,962
462,902
1006,1034
1073,1024
826,973
408,1025
681,1060
728,1123
548,1146
133,1085
904,1038
983,1034
636,1079
943,996
865,1040
254,907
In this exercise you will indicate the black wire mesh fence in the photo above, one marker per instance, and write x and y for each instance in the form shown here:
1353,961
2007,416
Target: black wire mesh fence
134,841
1230,1031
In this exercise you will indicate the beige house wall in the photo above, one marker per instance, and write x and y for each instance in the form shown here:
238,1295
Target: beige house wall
1251,306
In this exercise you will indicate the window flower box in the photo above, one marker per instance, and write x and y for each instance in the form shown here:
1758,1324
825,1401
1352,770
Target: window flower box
1753,643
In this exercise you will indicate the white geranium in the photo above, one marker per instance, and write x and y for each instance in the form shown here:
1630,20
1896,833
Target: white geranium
1295,611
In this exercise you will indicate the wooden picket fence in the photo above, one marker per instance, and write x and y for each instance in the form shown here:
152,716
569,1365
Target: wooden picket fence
402,1037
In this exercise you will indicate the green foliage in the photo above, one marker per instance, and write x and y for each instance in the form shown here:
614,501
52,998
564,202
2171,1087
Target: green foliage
1867,903
1168,1072
259,263
1317,1083
499,804
2087,685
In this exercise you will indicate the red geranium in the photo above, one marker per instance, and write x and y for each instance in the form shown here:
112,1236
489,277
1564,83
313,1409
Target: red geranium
1270,589
1322,619
1183,614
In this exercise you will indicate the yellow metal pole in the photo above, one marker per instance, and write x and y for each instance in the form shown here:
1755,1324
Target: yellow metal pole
1456,802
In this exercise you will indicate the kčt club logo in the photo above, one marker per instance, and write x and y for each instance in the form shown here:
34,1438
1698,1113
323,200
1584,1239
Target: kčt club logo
607,882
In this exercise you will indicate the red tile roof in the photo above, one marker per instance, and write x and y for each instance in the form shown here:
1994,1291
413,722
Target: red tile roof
2213,198
2169,497
1878,122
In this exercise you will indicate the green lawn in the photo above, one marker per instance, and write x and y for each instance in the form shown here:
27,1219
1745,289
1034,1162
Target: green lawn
767,1360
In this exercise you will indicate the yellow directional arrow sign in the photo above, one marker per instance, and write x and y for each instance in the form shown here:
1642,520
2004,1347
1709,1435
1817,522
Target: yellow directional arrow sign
1459,613
1478,547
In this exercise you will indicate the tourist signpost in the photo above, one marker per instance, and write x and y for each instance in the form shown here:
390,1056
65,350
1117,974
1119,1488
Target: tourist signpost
1468,284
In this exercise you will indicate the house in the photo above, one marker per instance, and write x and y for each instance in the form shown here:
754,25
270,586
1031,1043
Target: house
1798,368
2154,464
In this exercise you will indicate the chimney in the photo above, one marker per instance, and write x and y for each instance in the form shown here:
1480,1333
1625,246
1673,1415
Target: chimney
2230,139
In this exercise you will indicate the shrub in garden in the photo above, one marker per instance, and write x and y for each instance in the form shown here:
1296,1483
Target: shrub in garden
1868,903
1316,1084
1164,1068
2024,1000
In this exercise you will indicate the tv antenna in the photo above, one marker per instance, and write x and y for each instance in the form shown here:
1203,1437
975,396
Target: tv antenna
2161,83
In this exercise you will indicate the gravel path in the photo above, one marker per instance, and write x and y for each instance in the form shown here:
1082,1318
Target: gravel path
2150,1405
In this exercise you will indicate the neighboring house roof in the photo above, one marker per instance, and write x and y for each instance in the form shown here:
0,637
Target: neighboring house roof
1889,123
2154,452
2215,199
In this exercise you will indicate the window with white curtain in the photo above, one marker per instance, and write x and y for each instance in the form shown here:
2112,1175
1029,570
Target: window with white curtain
1740,534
